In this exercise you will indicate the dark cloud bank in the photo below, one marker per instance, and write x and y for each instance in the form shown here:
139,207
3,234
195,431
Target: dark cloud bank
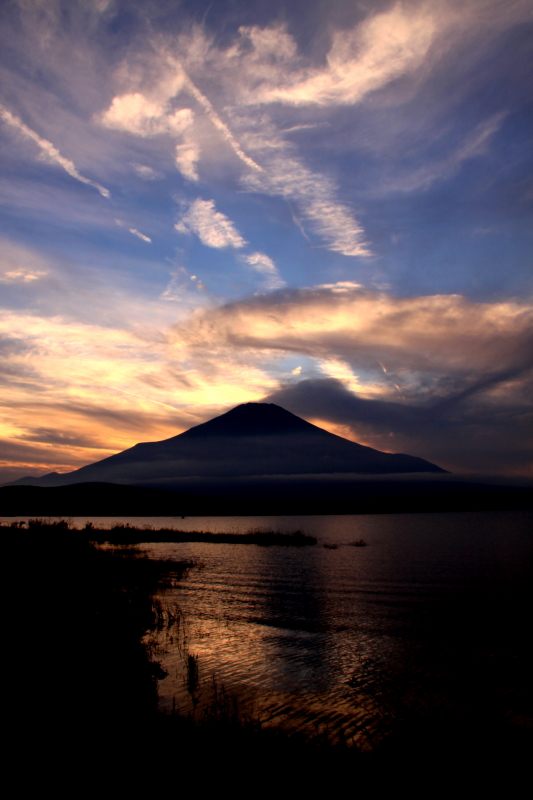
463,431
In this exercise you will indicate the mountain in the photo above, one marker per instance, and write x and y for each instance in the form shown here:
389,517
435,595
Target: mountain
251,439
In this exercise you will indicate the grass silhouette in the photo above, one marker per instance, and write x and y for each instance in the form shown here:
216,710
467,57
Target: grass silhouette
126,534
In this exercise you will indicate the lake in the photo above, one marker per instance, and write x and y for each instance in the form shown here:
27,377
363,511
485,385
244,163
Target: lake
433,611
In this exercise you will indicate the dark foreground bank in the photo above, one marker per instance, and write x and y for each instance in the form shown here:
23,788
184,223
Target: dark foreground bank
96,687
95,714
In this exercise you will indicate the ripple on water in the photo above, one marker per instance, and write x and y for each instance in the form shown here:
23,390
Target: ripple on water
286,631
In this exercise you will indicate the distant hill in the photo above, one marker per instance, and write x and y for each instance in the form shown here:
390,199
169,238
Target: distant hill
312,494
251,439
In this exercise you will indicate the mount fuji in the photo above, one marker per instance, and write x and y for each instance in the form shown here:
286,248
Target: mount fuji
253,439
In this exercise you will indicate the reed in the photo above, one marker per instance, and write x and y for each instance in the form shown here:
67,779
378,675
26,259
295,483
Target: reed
126,534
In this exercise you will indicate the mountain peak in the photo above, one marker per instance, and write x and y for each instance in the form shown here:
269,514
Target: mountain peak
252,419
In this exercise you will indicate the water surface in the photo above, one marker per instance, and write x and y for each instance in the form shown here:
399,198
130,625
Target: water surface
310,637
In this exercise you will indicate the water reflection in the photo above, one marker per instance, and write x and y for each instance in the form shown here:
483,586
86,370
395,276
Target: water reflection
312,636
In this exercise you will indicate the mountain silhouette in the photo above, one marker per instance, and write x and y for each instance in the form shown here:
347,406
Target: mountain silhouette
251,439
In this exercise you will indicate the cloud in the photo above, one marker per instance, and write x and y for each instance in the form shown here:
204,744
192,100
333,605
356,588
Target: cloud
426,336
476,143
21,458
102,363
22,275
133,231
137,114
440,377
457,386
109,384
48,151
212,227
285,176
215,230
139,235
87,384
405,39
82,292
10,345
461,434
20,265
361,60
180,285
274,168
221,126
263,264
263,67
143,116
58,437
187,157
147,173
262,54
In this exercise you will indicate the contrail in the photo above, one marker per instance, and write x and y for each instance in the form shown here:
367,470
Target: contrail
48,149
140,396
298,223
221,126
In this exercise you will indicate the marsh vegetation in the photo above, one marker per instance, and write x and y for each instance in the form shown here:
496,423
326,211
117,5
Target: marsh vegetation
127,534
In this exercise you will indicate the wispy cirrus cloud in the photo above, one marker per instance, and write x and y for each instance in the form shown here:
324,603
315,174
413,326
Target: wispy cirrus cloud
139,115
48,151
180,285
145,116
147,173
139,235
212,227
187,158
216,230
220,125
142,236
476,143
385,45
265,266
382,47
19,264
272,165
284,174
262,68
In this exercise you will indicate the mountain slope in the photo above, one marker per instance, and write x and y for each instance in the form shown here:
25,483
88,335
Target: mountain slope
251,439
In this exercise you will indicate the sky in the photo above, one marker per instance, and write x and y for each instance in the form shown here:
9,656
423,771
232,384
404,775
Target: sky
326,205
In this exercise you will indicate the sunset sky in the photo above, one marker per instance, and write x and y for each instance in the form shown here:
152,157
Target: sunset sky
326,205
